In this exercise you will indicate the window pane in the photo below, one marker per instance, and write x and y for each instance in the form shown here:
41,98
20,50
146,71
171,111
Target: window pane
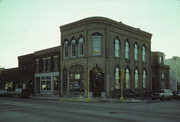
144,79
135,52
127,79
136,79
117,48
48,85
144,54
43,85
73,48
117,77
81,47
96,45
127,50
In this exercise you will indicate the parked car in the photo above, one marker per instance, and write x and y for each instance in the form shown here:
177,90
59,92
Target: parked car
162,94
176,95
4,93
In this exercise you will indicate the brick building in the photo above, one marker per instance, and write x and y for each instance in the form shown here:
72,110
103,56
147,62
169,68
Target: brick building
46,74
160,71
26,67
95,49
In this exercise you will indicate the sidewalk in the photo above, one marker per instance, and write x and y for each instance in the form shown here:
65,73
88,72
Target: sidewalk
90,100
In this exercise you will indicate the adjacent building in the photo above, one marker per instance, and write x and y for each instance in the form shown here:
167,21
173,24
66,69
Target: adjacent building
94,51
26,67
174,64
160,71
10,78
46,73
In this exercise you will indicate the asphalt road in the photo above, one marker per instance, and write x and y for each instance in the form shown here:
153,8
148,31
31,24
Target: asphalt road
33,110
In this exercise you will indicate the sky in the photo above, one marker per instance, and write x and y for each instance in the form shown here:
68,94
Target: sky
27,26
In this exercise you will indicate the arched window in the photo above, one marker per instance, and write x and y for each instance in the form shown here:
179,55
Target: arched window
66,49
117,77
136,78
144,79
81,46
144,54
136,52
96,42
73,48
117,48
126,50
127,78
76,79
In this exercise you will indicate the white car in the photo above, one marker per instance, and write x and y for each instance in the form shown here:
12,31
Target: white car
162,94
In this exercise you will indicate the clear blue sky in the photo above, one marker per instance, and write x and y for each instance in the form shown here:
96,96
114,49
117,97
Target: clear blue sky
30,25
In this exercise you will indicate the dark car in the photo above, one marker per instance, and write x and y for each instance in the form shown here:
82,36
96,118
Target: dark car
4,93
176,95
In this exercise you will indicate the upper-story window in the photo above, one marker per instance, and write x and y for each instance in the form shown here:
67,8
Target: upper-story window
143,53
44,64
136,78
126,50
66,49
127,78
96,40
48,64
136,52
73,48
37,65
160,59
55,63
117,77
117,48
81,46
144,79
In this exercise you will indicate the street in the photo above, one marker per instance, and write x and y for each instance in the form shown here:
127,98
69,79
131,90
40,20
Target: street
33,110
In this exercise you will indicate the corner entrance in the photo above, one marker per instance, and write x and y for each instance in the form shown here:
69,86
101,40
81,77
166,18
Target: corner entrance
96,81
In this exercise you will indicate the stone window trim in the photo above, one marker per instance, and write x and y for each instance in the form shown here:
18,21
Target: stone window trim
96,51
73,48
119,47
136,81
66,49
81,42
127,83
144,53
127,49
117,77
136,51
144,77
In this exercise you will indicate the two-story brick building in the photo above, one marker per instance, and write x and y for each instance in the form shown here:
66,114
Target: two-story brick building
46,74
26,68
95,49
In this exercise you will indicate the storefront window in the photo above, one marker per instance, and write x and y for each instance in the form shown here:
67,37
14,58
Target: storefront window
75,77
43,85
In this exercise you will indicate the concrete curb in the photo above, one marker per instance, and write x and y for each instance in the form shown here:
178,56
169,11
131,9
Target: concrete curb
88,100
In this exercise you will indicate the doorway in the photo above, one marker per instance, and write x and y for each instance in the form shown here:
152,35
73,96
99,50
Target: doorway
97,81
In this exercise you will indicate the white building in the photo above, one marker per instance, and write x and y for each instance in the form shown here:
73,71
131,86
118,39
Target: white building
174,64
